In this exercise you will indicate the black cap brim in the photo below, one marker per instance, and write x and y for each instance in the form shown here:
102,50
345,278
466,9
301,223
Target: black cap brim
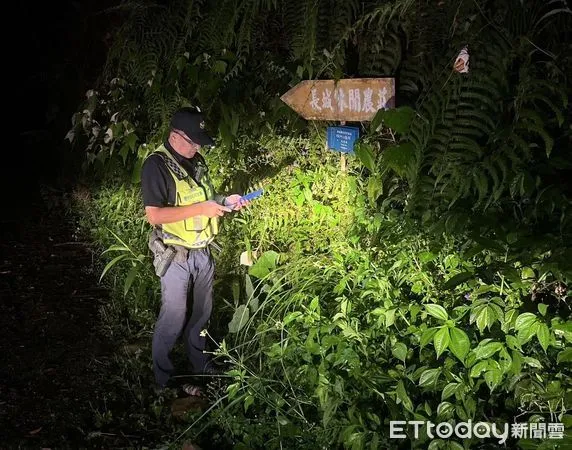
202,139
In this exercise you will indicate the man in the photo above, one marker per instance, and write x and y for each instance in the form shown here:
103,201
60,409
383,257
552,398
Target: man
183,208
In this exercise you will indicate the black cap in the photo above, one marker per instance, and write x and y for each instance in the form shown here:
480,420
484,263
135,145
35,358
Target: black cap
191,122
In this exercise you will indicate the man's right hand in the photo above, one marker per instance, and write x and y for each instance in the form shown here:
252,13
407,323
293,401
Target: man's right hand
213,209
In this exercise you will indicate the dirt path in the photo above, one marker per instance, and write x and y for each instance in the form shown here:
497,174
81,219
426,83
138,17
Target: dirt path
49,338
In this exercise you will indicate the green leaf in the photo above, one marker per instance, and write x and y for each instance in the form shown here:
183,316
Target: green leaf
111,263
219,67
398,119
543,335
478,368
445,409
437,311
449,390
429,377
524,321
248,400
485,318
399,350
374,187
376,121
239,319
441,340
129,280
365,154
512,342
527,273
402,395
564,356
458,279
493,378
487,350
517,361
248,286
426,257
460,344
399,157
427,336
264,265
542,309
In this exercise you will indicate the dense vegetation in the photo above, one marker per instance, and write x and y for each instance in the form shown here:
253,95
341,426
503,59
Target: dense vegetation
430,280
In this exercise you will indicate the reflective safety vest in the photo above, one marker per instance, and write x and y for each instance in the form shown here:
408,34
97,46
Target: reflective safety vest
197,231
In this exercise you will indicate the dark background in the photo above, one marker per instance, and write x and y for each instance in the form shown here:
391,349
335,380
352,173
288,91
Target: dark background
59,50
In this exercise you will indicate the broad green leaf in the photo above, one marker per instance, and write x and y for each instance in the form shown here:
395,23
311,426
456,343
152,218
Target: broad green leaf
449,390
264,265
248,400
460,344
426,257
427,336
512,342
542,308
441,340
399,350
437,311
398,119
458,279
402,395
239,319
248,286
429,377
486,318
517,362
532,362
292,316
374,187
487,350
493,378
399,157
390,317
478,368
219,66
445,409
543,335
524,321
525,334
376,121
505,361
365,154
564,356
527,273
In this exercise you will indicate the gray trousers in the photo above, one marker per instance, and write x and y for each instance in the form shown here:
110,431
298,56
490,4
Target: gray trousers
182,277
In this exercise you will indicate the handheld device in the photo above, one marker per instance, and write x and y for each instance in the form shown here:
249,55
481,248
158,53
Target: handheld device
253,195
250,196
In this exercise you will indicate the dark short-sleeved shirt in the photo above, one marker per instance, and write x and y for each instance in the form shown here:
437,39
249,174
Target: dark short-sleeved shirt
157,183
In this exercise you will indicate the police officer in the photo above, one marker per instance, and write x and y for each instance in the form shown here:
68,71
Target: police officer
184,210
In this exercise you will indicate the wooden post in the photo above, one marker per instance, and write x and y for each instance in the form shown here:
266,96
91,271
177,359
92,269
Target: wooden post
343,162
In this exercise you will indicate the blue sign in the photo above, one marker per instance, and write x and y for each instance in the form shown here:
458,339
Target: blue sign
342,138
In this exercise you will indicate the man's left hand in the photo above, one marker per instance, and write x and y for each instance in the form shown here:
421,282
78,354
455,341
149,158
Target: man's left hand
235,202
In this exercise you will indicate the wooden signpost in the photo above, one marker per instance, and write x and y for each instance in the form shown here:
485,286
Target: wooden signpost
348,100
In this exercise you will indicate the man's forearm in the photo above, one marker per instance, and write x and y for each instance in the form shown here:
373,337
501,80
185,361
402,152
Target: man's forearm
170,214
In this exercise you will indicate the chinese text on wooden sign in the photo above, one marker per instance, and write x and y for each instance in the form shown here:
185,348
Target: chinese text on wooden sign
352,100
